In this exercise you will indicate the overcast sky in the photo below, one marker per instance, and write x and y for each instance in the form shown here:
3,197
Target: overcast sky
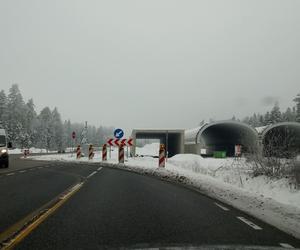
156,63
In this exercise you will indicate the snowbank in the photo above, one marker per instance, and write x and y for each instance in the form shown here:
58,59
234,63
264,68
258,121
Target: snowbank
31,151
275,201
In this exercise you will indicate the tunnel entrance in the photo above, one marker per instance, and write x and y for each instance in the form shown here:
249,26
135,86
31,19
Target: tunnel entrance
282,140
224,136
173,139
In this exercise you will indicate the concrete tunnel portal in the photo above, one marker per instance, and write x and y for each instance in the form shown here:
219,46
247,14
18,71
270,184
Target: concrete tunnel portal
173,139
221,136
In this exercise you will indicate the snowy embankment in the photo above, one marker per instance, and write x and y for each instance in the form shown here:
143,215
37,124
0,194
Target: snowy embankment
275,201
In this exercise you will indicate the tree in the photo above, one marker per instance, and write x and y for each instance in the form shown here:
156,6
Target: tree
297,101
275,115
3,109
45,128
57,131
288,115
267,118
16,116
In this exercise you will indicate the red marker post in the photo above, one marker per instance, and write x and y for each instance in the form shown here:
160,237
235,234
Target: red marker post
121,154
162,156
78,152
104,152
91,152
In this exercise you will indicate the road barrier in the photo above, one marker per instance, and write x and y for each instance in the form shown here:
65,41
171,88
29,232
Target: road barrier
91,152
121,154
162,156
104,152
78,152
26,153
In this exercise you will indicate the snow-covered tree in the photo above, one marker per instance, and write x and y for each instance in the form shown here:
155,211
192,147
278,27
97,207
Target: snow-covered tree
275,115
3,109
16,116
57,131
45,128
297,101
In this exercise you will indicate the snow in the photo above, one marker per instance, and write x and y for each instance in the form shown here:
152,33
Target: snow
261,129
148,150
275,201
31,151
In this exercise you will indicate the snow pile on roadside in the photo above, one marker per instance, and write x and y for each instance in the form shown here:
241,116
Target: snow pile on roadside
31,151
149,149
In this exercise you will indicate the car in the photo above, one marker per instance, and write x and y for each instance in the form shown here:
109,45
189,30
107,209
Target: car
4,155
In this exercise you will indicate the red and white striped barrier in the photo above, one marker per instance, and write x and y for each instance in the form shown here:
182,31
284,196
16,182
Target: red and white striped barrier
26,153
162,156
91,152
104,152
117,142
238,150
78,152
121,154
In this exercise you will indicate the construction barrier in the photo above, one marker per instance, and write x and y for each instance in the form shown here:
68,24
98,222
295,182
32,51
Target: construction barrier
121,154
104,152
26,153
237,150
78,152
162,156
91,152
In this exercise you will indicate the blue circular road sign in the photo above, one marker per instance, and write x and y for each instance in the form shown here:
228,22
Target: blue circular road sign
119,133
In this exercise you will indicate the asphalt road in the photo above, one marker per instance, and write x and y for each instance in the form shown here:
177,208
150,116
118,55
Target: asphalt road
115,208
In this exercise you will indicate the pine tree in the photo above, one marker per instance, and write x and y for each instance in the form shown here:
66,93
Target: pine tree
275,115
288,115
297,101
15,116
45,128
57,131
3,109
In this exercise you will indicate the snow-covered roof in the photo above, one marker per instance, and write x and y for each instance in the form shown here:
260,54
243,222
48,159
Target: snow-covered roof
261,129
2,131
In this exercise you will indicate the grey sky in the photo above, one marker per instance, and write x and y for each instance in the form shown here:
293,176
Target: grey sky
158,63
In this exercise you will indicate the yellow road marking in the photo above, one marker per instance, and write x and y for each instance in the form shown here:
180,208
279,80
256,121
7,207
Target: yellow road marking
48,211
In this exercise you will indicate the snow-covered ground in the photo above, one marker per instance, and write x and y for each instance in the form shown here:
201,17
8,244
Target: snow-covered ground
31,151
275,201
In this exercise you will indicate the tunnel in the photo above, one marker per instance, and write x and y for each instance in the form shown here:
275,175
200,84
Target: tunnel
172,139
222,136
281,140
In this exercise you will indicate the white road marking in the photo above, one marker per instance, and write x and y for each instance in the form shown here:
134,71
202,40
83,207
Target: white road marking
22,171
249,223
40,167
10,174
222,207
286,245
95,172
99,168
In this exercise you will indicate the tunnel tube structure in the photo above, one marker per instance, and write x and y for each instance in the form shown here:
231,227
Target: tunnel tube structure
281,140
221,136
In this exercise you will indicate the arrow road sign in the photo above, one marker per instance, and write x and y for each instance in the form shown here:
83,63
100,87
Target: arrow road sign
118,133
130,142
110,142
118,142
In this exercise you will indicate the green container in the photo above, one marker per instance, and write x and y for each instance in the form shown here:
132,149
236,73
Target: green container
219,154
